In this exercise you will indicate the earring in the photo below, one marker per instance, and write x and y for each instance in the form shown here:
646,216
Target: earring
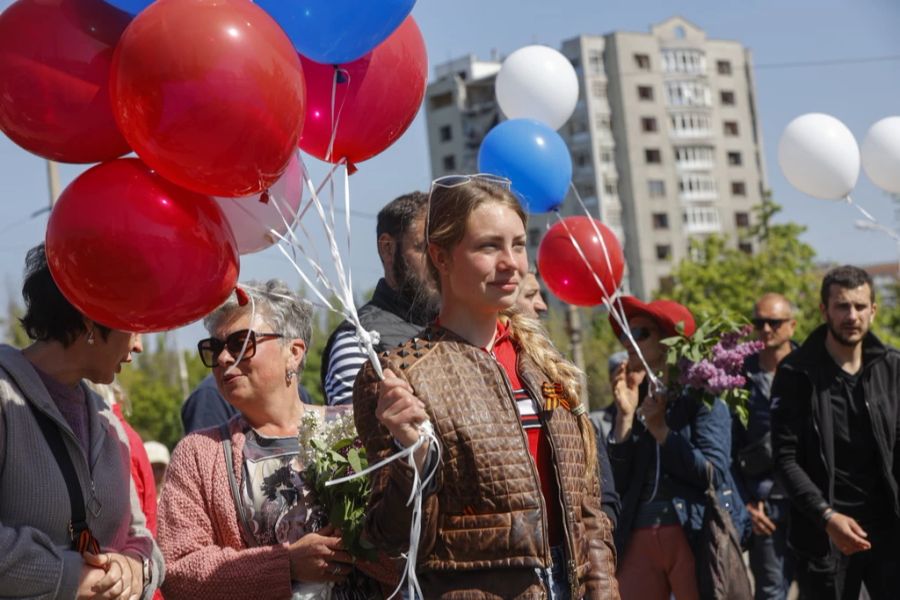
90,337
288,377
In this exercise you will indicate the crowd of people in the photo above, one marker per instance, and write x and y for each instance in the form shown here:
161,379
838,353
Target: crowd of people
531,498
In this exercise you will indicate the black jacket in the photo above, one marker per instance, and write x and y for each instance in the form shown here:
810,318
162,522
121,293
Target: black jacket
803,432
393,316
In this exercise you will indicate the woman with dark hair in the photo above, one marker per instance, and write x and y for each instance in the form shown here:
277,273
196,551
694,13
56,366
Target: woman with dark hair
514,511
70,522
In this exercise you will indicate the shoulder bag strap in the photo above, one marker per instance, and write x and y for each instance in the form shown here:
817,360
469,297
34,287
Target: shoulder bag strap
247,531
82,538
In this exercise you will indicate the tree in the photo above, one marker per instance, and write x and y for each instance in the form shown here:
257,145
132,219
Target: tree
721,280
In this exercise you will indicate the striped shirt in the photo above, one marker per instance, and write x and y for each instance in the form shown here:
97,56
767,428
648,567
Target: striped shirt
344,362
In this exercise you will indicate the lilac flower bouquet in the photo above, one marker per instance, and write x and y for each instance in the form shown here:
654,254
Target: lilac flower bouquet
711,362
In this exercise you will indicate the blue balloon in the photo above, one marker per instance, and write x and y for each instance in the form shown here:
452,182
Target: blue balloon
336,32
131,7
533,157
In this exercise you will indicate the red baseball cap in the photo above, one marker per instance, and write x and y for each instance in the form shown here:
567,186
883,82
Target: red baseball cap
665,313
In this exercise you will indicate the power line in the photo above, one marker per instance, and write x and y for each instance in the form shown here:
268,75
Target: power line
828,62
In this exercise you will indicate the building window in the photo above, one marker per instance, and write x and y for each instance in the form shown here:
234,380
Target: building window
660,221
441,100
697,186
734,159
690,125
642,61
723,67
645,92
688,93
731,128
449,163
609,188
742,219
694,156
656,188
701,219
727,97
652,156
684,61
598,89
745,247
663,251
595,61
648,124
738,188
602,121
446,133
606,155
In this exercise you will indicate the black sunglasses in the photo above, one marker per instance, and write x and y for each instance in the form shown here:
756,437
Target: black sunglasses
772,323
638,333
211,348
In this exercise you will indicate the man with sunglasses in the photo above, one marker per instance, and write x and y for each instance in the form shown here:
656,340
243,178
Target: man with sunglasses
835,426
404,301
767,502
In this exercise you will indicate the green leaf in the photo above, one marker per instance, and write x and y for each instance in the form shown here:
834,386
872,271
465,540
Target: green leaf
353,459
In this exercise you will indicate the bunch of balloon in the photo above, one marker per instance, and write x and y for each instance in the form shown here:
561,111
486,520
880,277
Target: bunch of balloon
581,261
537,90
819,156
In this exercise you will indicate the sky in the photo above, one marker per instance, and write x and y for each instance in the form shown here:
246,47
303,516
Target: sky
811,56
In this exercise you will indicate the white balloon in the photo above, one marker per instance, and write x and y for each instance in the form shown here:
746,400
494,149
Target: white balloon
251,219
537,82
819,156
881,154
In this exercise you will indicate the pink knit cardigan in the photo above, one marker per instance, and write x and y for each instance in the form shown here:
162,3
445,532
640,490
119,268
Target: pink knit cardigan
199,533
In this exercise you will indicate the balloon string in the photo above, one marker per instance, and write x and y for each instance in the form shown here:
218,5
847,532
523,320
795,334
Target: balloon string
417,492
608,301
618,297
341,289
864,212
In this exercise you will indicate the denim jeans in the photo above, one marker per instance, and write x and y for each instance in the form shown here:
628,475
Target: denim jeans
771,561
555,578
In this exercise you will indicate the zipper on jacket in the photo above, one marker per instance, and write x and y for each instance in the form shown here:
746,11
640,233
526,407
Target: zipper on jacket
567,527
548,559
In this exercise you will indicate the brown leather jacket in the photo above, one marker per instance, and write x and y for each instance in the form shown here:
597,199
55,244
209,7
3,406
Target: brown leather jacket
484,529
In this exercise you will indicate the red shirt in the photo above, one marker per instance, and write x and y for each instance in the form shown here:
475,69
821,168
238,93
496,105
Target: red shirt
506,353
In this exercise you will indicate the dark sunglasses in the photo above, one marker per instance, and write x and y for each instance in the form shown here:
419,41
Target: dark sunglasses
211,348
638,333
773,323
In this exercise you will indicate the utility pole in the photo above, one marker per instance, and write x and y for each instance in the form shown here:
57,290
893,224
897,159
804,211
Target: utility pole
53,182
573,328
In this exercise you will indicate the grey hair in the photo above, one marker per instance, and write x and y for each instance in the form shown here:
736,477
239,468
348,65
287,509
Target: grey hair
280,307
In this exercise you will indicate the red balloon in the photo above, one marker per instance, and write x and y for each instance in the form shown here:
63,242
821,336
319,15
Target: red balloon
135,252
210,94
55,60
563,269
377,95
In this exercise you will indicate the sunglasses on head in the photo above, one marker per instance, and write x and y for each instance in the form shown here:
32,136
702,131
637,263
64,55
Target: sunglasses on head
453,181
772,323
638,333
244,339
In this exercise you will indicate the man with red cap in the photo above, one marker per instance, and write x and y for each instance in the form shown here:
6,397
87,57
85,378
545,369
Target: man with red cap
660,447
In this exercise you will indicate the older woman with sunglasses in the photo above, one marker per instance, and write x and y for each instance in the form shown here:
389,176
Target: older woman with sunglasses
660,449
514,511
236,518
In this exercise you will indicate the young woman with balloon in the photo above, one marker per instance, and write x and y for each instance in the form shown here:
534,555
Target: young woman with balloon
514,510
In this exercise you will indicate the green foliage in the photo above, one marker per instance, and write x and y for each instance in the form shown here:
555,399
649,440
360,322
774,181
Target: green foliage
721,280
154,389
13,332
887,319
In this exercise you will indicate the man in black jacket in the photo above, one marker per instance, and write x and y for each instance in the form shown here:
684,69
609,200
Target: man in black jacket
835,421
404,301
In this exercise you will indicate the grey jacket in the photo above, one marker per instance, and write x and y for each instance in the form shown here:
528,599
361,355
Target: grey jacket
36,559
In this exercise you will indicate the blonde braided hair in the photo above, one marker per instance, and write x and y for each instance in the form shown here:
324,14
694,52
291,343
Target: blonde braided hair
533,340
